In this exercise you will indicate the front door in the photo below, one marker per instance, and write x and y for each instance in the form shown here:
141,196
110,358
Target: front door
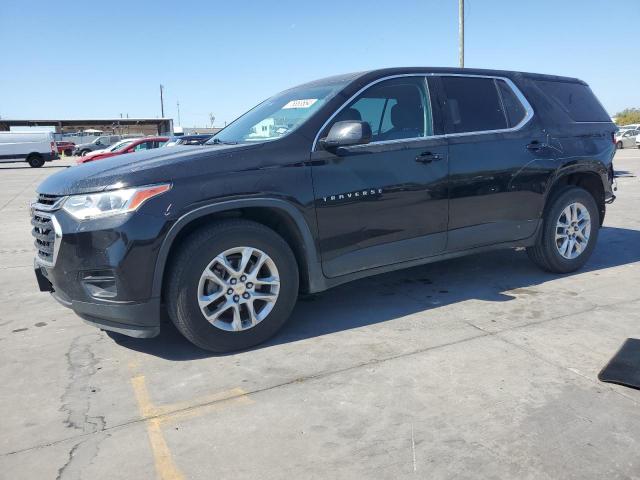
384,202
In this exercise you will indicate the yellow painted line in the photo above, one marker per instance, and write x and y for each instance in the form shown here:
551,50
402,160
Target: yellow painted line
165,466
203,405
155,416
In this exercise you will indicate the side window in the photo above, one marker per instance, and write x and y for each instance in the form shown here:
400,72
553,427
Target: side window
576,100
369,109
143,146
472,105
513,109
395,109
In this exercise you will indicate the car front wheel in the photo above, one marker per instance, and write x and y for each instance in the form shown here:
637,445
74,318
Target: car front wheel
569,233
232,285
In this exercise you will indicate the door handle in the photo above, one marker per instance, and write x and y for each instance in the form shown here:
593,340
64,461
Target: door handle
536,146
428,157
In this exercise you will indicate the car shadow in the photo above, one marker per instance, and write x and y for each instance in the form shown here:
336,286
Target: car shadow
396,294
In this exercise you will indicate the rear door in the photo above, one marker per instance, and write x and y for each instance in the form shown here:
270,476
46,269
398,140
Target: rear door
498,162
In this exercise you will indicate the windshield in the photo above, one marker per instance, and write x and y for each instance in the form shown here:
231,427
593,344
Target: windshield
279,115
120,145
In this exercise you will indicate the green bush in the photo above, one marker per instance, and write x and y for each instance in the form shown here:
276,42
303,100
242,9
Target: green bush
627,116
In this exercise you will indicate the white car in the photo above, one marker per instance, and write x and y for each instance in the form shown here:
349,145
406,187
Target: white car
35,148
116,146
626,138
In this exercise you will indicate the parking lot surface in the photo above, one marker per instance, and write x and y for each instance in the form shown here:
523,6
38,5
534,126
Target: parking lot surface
479,367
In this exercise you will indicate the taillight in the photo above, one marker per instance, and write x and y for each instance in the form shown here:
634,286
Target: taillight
53,147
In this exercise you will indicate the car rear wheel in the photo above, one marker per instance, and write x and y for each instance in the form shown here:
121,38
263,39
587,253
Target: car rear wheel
34,160
232,285
619,145
569,233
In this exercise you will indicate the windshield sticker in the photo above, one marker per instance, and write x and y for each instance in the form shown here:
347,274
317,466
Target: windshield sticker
303,103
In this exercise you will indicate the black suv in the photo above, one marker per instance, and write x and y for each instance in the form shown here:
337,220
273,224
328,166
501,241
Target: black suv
322,184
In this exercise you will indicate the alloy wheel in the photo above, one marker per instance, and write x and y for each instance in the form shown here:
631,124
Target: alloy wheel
573,229
238,289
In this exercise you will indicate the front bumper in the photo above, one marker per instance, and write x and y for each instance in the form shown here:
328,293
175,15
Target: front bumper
103,270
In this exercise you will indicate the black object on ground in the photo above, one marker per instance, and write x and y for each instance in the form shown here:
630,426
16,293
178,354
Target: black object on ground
624,367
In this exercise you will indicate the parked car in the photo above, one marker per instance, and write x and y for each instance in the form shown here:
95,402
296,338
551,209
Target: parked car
323,184
626,138
631,126
65,147
188,140
99,143
122,144
125,146
35,148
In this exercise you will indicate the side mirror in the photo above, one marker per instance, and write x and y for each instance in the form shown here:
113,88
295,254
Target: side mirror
344,134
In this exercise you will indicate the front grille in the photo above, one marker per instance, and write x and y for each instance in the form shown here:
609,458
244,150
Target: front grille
44,235
44,228
47,199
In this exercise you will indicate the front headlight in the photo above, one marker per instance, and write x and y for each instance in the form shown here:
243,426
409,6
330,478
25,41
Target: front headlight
114,202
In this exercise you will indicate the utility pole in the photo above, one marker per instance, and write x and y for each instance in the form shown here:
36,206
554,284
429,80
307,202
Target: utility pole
161,102
178,104
461,32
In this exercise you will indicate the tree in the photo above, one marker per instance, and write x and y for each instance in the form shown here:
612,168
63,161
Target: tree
627,116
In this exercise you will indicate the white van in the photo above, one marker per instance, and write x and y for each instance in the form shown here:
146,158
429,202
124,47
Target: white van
35,148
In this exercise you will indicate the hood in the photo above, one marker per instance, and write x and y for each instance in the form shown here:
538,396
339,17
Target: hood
141,168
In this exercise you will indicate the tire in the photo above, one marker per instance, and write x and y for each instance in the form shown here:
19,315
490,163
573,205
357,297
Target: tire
35,160
619,146
84,152
68,152
199,254
546,253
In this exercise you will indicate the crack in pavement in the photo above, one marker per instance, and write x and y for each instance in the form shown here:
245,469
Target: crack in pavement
75,402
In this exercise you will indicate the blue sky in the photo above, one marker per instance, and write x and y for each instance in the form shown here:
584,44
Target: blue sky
69,59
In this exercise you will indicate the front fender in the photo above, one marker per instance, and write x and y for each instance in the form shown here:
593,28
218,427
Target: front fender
316,278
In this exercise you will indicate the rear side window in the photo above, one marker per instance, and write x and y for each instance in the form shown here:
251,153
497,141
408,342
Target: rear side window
513,109
473,105
576,100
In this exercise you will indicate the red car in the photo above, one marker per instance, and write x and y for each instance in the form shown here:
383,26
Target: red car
127,145
65,147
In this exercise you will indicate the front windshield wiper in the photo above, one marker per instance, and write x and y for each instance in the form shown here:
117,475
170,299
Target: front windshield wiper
217,141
